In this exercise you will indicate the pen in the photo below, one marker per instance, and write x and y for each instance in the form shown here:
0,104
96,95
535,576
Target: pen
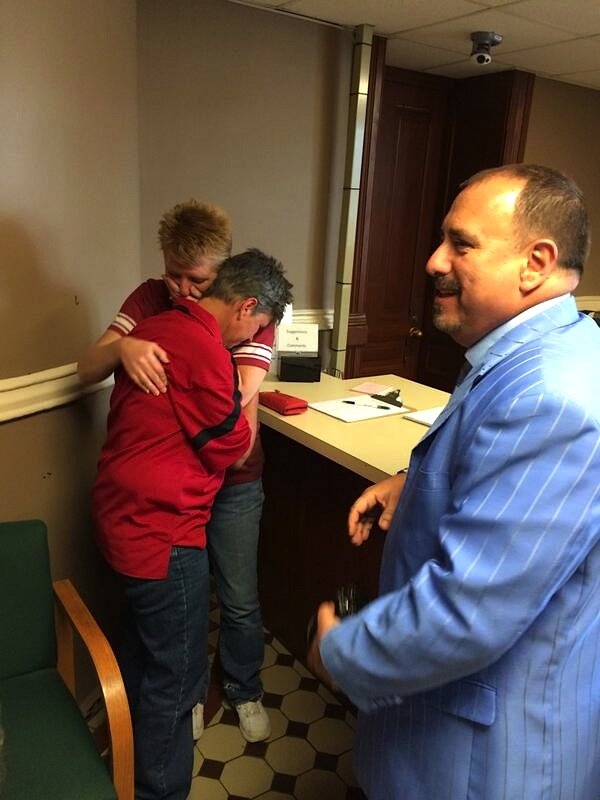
353,403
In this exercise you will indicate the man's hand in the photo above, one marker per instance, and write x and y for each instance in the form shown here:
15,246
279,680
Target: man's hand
326,620
143,362
190,291
364,512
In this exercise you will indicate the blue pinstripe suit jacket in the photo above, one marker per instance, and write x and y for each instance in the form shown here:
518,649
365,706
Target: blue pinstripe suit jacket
477,670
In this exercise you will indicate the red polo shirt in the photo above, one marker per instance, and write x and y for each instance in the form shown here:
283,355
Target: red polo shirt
164,458
152,297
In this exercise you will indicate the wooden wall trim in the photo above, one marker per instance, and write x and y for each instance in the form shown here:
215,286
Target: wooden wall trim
52,388
41,391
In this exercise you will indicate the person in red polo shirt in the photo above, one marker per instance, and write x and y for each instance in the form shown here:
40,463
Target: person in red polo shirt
162,464
195,238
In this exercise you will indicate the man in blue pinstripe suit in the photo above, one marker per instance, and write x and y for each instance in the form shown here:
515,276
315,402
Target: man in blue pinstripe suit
477,670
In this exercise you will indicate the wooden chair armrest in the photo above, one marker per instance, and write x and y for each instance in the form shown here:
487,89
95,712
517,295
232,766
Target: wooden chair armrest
70,604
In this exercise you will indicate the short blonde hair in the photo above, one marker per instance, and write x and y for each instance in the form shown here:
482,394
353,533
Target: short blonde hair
194,230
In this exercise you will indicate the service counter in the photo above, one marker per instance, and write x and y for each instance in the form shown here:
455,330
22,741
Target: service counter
316,466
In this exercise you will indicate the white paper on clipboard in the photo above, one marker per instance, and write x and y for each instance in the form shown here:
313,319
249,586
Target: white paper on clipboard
357,409
426,417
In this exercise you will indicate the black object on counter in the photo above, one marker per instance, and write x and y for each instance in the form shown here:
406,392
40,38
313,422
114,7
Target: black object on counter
393,398
301,369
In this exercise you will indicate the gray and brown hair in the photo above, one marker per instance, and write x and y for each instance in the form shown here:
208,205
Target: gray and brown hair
253,274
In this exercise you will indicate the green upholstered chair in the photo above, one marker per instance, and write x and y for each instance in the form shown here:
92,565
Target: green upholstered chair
48,751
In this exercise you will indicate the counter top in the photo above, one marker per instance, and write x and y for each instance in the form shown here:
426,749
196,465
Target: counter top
374,448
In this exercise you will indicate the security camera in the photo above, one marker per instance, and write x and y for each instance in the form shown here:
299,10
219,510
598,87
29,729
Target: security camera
483,41
481,58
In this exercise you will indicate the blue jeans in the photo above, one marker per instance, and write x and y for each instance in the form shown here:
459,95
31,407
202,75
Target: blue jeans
165,669
232,542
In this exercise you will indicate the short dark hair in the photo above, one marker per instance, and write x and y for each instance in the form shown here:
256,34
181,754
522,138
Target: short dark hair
253,274
549,205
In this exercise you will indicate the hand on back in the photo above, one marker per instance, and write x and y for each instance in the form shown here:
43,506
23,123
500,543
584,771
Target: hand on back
143,362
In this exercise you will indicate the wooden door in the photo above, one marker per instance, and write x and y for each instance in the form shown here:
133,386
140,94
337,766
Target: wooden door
424,137
388,290
489,116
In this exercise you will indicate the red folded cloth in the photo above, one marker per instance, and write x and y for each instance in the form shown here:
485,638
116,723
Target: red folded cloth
285,404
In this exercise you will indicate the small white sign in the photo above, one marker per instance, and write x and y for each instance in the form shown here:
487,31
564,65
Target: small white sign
297,338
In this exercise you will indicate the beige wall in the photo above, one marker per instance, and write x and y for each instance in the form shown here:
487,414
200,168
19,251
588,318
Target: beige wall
564,132
246,109
69,212
69,244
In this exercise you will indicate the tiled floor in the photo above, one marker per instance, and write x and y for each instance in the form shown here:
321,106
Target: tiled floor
308,755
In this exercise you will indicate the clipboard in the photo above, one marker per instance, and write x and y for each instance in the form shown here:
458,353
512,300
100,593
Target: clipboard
357,409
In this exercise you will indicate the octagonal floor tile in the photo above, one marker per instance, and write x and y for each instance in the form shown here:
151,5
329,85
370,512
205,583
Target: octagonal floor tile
279,723
280,680
217,716
270,656
319,783
207,789
301,669
247,776
221,743
330,736
291,756
345,769
198,759
302,706
326,694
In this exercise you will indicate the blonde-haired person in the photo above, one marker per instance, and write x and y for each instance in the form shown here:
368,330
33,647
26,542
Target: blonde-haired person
194,230
195,238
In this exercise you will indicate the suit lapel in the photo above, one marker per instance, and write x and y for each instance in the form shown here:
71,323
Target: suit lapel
557,316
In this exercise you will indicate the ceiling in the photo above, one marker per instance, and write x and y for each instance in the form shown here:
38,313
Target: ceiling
558,39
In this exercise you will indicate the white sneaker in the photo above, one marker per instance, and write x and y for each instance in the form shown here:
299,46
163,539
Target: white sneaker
197,721
255,724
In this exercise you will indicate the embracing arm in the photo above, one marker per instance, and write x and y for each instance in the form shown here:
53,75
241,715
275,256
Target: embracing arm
249,382
142,361
253,359
100,359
